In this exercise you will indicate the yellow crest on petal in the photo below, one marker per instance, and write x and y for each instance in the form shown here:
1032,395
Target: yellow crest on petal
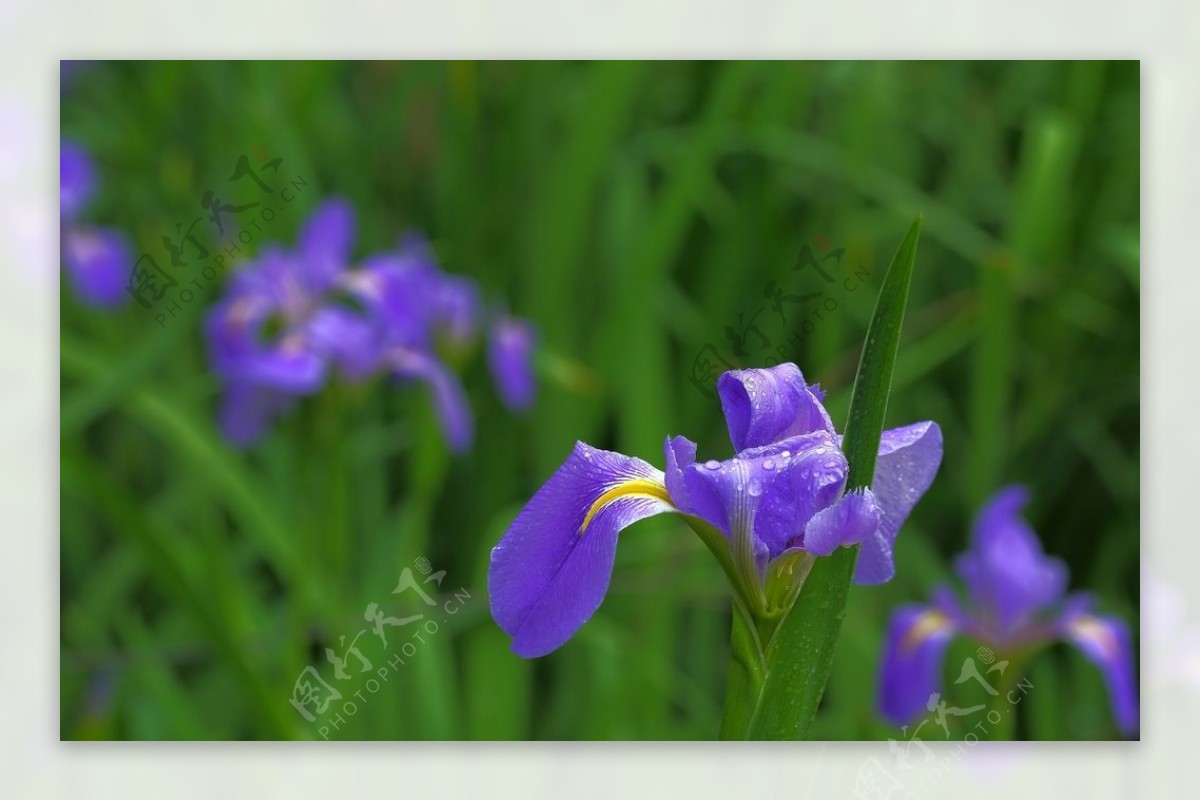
640,487
927,624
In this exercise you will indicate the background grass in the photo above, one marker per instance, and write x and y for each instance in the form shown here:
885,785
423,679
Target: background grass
634,212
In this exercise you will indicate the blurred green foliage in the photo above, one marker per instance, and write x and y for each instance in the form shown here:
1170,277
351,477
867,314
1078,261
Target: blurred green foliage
634,212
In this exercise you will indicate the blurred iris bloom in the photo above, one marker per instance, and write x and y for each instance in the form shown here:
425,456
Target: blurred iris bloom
780,496
291,318
1016,603
98,259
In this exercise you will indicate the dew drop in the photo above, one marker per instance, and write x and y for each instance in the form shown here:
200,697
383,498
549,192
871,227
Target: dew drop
769,464
712,464
755,489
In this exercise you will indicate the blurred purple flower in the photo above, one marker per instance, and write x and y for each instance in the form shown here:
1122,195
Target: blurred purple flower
97,259
1016,602
782,492
274,335
292,316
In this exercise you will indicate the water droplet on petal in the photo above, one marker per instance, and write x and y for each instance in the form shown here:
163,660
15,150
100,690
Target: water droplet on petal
769,464
755,489
712,464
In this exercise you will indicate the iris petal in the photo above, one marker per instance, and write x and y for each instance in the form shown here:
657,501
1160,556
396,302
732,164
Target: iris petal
908,460
326,242
76,179
1106,642
776,487
910,670
449,399
1008,575
550,572
510,358
853,520
98,264
764,406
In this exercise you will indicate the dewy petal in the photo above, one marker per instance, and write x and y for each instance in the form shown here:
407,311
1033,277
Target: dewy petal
550,571
911,667
853,520
778,487
98,264
1106,641
680,453
908,460
76,179
449,399
1007,573
326,242
510,357
764,406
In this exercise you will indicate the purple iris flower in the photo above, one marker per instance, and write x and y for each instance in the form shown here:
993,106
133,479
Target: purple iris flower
97,259
1016,602
782,492
510,357
273,337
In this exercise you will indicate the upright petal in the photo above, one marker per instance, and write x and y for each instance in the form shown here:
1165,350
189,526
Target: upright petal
1008,575
908,460
326,242
551,569
76,179
510,357
911,667
763,406
1106,641
98,264
449,399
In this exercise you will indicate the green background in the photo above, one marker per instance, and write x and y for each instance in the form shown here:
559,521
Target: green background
633,212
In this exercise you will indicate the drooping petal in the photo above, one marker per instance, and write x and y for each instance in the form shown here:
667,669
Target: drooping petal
246,411
510,357
449,399
326,243
1008,575
551,569
76,179
1105,640
908,460
764,406
98,264
911,667
854,519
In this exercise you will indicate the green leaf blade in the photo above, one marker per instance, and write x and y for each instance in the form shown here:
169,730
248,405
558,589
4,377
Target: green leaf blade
800,654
